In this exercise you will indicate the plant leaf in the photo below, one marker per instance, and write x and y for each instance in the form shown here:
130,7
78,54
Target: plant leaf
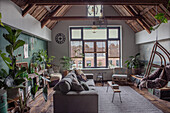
45,93
9,49
18,44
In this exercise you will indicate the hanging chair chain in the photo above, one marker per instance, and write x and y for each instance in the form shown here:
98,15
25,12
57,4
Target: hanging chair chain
156,23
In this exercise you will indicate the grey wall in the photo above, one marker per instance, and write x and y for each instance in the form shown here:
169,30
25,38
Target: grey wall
59,50
12,15
146,41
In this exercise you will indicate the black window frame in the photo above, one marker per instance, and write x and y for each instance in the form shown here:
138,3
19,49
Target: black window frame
107,39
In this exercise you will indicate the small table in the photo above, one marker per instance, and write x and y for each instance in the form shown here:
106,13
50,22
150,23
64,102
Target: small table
115,88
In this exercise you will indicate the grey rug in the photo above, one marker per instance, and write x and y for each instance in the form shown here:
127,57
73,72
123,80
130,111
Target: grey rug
132,102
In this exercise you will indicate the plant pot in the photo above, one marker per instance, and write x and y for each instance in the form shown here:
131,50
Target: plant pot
12,93
136,71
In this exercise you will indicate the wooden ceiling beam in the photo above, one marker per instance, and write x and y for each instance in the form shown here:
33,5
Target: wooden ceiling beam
46,19
93,18
99,2
146,10
140,21
27,9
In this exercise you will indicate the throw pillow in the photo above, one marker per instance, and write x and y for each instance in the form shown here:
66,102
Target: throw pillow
64,87
76,86
85,86
78,72
82,77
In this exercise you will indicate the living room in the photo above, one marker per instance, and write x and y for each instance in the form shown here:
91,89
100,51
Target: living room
99,41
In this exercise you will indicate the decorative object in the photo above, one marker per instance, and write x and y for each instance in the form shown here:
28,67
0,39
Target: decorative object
60,38
25,50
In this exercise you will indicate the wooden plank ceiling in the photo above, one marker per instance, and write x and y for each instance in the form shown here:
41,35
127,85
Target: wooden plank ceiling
138,14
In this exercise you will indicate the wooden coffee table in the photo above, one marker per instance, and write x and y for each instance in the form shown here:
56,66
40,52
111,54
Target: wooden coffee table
115,88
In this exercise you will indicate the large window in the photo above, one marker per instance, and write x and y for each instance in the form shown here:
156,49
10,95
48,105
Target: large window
95,50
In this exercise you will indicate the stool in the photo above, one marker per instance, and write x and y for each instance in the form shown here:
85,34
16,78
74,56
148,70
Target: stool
116,91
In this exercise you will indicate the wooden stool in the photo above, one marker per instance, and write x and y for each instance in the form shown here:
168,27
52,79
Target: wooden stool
116,91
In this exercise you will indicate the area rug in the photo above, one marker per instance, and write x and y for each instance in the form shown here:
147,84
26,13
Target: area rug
132,102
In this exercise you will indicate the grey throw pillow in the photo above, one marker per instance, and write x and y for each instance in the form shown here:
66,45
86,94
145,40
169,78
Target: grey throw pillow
85,86
64,85
76,86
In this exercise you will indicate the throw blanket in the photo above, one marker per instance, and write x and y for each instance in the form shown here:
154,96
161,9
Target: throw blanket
158,79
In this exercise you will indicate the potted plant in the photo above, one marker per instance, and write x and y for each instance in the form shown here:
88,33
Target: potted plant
16,77
43,59
135,64
66,62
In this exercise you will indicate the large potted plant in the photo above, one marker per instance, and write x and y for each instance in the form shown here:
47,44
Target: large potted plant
66,63
134,64
42,58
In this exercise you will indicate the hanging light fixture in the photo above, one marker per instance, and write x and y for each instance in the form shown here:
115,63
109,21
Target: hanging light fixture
94,27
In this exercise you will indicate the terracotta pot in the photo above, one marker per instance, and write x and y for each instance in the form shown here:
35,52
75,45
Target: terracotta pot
65,72
136,71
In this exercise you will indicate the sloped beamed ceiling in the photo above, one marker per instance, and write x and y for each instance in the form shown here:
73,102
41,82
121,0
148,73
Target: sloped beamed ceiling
46,10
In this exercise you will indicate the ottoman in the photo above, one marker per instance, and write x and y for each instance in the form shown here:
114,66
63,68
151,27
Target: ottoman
119,77
55,78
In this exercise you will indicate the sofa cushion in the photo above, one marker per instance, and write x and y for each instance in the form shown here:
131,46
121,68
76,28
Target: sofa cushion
85,86
64,85
76,86
90,82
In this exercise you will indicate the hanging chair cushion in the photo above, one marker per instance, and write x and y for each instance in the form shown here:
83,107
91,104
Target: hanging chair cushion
167,70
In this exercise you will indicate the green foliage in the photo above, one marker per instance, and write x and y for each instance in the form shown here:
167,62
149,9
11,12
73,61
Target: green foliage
161,17
66,62
0,20
134,62
41,57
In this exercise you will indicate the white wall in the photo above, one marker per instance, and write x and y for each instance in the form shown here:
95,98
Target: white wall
12,15
145,37
59,50
146,42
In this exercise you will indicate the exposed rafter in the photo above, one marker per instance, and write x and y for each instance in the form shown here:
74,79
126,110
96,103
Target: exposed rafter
140,21
46,19
93,18
98,2
27,9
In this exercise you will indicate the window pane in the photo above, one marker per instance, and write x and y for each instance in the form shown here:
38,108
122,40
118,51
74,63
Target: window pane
77,63
89,59
113,48
101,59
76,33
113,62
113,33
100,34
90,10
88,46
101,46
76,48
98,10
94,10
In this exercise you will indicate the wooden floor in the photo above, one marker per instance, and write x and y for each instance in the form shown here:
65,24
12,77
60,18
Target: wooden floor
40,106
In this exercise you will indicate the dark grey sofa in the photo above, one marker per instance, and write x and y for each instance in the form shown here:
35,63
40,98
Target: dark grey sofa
77,102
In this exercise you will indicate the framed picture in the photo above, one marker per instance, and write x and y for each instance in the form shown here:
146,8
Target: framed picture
25,50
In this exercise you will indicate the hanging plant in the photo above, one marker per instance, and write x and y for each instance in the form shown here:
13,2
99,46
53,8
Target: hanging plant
161,17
